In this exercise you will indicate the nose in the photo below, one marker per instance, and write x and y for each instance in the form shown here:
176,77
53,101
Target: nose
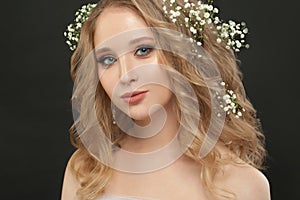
126,65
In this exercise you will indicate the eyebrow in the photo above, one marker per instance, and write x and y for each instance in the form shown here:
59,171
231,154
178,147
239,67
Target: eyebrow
132,42
137,40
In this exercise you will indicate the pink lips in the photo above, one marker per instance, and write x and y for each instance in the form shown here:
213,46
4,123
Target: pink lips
134,97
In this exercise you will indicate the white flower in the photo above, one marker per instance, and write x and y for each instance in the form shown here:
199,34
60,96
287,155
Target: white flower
245,31
238,44
226,97
186,19
202,22
217,20
206,15
219,40
210,8
193,30
178,8
172,1
231,23
187,5
216,10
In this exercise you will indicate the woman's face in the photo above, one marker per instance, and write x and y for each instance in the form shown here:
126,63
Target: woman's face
128,64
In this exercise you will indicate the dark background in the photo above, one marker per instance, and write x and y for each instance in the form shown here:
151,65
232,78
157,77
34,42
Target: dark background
35,88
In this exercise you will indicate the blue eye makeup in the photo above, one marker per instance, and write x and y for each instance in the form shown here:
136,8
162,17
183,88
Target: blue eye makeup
105,61
143,50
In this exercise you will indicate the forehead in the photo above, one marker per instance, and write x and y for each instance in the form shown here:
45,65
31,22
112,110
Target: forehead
115,21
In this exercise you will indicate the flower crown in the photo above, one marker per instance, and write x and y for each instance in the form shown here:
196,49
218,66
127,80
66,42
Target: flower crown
73,30
196,16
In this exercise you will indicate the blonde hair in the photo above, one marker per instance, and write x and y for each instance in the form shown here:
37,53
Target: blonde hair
243,137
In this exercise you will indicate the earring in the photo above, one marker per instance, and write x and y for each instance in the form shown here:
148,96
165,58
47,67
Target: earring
113,114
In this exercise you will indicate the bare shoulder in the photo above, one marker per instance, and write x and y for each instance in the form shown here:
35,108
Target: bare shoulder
70,185
245,181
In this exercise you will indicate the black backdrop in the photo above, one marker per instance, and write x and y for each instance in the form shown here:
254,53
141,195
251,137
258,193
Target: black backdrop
35,88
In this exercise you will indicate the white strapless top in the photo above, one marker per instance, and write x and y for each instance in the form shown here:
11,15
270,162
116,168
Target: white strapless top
119,197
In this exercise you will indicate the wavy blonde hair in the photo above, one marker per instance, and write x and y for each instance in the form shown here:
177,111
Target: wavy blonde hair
243,137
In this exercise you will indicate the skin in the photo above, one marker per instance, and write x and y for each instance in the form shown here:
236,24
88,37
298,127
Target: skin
179,180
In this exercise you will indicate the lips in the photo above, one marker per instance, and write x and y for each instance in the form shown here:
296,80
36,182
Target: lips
133,98
132,94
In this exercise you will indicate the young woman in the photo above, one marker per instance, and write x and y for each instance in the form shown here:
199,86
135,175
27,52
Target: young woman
142,104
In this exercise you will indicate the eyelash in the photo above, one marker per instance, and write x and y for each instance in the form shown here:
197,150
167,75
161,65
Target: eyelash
103,60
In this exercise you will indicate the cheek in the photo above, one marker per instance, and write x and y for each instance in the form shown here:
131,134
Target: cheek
107,85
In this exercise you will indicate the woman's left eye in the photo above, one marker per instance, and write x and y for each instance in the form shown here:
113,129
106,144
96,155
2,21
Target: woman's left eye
144,50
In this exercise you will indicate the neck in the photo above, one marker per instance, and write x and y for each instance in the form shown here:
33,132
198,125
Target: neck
153,133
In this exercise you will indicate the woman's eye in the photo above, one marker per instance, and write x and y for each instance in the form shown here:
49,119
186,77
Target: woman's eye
106,60
144,50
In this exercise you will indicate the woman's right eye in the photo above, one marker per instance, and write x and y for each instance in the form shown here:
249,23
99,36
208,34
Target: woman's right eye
105,61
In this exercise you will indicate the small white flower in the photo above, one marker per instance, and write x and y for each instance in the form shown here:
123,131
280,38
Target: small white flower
187,5
226,97
245,31
238,44
219,40
186,19
178,8
210,8
216,10
234,110
231,23
206,15
202,22
193,30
